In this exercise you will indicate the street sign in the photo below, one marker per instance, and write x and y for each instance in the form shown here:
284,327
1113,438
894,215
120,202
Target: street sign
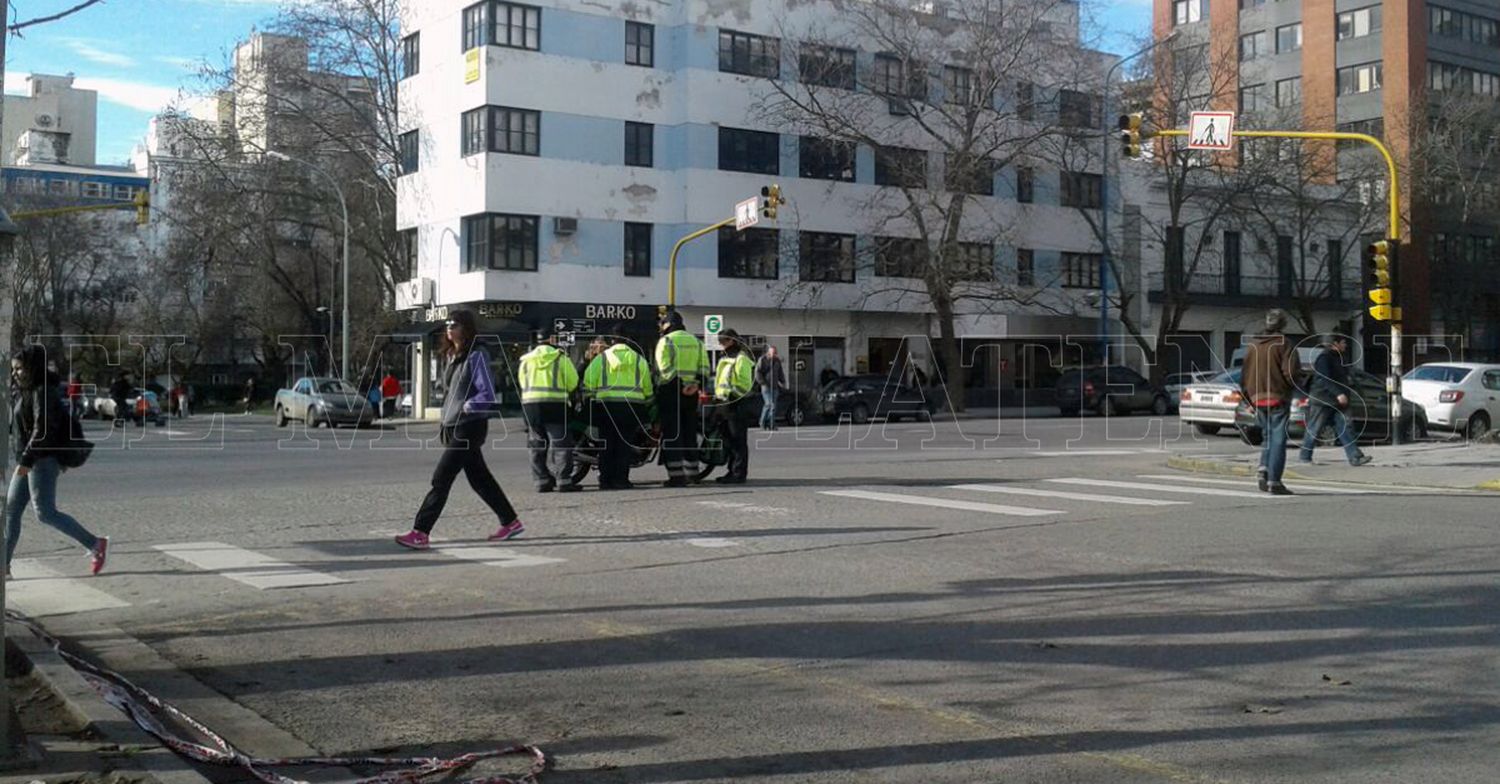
746,214
1211,131
585,326
712,326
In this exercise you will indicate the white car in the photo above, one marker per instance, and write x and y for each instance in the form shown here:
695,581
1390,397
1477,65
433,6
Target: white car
1459,396
1211,405
1176,382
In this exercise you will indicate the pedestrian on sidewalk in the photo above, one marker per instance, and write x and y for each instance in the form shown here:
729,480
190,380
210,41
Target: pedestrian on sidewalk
119,392
547,380
770,375
390,394
463,432
1327,400
1269,378
42,430
249,400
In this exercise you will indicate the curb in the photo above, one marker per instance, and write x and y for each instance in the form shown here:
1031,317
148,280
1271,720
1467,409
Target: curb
1199,465
85,705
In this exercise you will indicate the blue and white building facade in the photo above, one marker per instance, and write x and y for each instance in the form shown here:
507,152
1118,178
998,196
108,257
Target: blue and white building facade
555,151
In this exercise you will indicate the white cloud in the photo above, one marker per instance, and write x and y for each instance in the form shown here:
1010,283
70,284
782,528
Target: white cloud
140,96
94,54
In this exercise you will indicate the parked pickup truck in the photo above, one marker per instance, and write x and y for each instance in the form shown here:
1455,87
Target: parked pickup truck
323,401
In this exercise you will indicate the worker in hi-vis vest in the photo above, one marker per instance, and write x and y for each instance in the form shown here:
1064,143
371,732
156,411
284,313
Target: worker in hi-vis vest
547,379
681,370
618,384
733,380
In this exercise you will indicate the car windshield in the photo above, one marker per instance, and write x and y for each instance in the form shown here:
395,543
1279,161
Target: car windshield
1227,377
1446,374
336,388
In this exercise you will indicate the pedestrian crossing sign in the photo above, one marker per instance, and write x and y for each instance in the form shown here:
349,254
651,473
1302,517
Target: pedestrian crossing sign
1211,131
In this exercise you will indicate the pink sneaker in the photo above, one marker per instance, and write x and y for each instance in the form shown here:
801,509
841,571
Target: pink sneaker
98,554
413,539
510,531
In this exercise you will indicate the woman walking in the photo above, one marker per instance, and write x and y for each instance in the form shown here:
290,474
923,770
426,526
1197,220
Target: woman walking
41,430
464,428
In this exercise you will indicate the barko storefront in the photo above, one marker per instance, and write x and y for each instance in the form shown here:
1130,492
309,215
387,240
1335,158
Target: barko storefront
507,330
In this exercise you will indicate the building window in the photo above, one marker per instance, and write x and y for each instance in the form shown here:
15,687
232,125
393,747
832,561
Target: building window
411,55
825,159
476,25
1077,110
500,242
973,261
1081,270
751,55
1253,98
1477,29
640,44
1080,189
826,258
510,25
900,257
1246,5
751,253
123,193
58,187
1187,11
756,152
897,78
475,125
1289,38
1025,101
958,86
1025,267
1254,45
410,145
901,167
1443,76
406,253
1359,78
501,129
826,66
1359,23
1374,127
638,249
640,144
1289,92
1025,184
94,190
970,174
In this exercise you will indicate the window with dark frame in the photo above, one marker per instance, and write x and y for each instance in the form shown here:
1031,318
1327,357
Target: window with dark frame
826,66
475,125
640,44
407,247
1360,22
498,241
410,147
901,167
640,141
1081,189
1357,79
975,261
825,159
1187,11
749,55
899,257
756,152
970,174
1025,267
898,78
1289,38
638,249
752,253
1025,101
411,55
1080,270
515,131
476,22
1078,109
825,257
1254,45
1289,92
1025,184
958,86
511,25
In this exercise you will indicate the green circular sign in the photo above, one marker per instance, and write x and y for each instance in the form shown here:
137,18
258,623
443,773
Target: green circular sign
713,324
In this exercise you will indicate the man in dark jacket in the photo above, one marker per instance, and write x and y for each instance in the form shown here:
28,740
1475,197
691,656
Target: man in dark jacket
1268,379
770,376
1327,399
119,391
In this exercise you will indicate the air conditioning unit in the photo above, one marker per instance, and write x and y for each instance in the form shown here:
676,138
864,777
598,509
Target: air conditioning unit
414,293
563,227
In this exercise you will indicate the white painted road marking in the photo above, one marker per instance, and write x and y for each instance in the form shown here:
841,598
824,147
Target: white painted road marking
1162,488
492,554
246,566
742,507
38,590
943,503
1097,452
1032,491
712,542
1314,488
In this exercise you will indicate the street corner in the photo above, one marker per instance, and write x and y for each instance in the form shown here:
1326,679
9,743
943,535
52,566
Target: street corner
1223,465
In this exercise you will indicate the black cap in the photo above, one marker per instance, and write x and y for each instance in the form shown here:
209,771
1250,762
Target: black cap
672,319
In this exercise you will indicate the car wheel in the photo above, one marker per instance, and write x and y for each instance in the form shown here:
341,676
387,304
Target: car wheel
1478,427
281,419
1160,406
1114,406
1251,436
795,417
1207,430
1328,436
860,413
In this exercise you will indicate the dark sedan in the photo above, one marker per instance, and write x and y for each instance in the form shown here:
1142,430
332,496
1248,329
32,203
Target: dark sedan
865,397
1115,389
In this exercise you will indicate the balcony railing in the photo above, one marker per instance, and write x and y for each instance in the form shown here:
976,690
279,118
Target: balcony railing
1250,289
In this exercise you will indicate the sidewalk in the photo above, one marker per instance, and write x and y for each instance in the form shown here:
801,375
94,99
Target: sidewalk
1446,466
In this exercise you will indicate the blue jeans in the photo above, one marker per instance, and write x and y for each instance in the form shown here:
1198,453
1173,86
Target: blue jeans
1272,421
1317,417
768,411
39,488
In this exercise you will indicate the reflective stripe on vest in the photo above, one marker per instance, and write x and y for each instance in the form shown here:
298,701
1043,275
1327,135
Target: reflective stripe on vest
670,368
611,390
532,392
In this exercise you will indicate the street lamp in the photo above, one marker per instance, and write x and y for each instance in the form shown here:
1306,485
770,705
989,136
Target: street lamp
344,206
1104,256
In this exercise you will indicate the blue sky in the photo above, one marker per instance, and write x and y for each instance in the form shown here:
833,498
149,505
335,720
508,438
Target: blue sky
139,53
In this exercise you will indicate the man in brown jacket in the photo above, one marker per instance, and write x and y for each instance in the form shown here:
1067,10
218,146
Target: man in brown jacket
1269,379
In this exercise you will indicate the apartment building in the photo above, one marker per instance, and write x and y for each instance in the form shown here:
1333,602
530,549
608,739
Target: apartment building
53,123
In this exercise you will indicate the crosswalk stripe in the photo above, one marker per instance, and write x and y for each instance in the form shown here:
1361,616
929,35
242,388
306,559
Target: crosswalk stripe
1251,483
1107,499
943,503
1161,488
1097,452
254,569
492,554
38,590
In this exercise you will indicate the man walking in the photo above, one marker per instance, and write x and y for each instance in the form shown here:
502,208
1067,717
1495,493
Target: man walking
547,380
682,368
119,391
1328,399
771,377
619,383
733,379
390,392
1269,377
249,394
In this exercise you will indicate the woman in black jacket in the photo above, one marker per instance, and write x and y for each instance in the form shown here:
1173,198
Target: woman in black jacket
40,431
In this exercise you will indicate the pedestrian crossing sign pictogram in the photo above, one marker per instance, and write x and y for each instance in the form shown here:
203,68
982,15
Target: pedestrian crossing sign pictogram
1211,131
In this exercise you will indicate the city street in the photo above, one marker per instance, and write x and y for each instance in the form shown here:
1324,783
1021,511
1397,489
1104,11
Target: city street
1030,601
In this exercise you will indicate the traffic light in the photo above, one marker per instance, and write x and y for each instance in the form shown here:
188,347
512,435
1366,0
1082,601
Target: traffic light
1383,257
770,199
1130,135
142,207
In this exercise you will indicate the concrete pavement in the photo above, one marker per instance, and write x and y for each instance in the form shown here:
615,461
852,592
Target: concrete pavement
1449,465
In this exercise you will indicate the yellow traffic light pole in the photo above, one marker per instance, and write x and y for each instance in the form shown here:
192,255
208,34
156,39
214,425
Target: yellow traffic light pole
1393,236
771,199
141,204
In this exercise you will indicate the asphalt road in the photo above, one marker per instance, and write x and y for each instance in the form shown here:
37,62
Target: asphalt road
1037,601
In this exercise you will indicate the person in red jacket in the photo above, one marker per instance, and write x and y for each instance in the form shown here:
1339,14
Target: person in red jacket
390,392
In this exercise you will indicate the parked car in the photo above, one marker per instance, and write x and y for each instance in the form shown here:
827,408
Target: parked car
404,403
1458,396
1369,415
323,401
1174,383
142,406
1211,405
868,396
1116,389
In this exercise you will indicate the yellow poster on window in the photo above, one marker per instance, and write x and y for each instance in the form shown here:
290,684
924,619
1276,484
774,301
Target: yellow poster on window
471,65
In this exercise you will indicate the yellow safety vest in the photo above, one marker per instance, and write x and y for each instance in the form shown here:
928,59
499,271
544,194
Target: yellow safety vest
735,377
546,376
680,354
618,374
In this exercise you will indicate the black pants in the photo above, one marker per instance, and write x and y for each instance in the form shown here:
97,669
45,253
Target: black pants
388,408
735,427
547,425
619,424
679,430
463,450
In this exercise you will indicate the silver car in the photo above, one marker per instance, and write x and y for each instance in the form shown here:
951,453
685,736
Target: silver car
323,401
1211,405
